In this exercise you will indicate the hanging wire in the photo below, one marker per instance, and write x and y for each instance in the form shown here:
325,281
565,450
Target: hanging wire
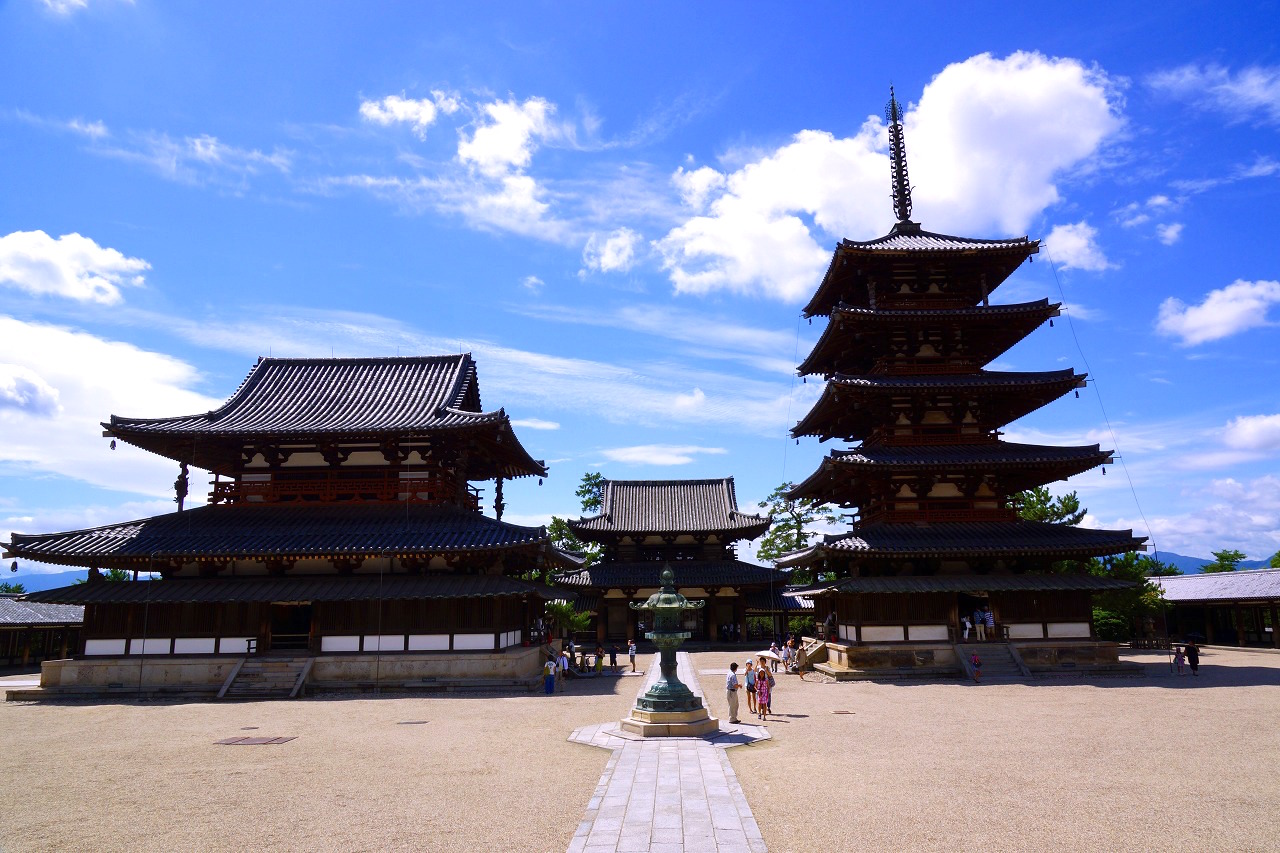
1155,550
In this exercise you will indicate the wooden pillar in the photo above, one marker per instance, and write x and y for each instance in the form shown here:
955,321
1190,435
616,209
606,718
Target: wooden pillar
26,646
1239,614
1275,627
602,620
1208,624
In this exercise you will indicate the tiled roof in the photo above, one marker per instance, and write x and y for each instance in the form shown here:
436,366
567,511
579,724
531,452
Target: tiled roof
335,396
254,531
970,539
992,455
969,583
24,612
1221,586
309,398
779,600
1008,396
670,506
910,237
688,573
300,588
856,337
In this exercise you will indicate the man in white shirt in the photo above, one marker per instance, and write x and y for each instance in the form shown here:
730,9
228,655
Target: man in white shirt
732,687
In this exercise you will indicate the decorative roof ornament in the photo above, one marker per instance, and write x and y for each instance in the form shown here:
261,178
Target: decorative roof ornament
898,159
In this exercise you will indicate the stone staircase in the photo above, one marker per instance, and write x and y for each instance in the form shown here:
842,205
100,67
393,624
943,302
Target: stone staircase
998,661
267,678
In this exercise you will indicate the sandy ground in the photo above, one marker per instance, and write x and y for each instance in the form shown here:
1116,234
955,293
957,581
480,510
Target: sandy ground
1161,763
1112,764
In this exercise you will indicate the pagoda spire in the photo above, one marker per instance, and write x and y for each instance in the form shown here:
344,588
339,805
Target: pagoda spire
898,159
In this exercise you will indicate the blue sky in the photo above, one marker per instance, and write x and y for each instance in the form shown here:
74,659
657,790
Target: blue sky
620,210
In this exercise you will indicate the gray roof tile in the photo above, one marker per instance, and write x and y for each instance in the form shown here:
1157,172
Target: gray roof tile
15,612
688,573
1221,586
670,506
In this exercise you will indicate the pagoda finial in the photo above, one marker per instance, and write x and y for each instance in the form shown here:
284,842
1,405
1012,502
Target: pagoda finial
898,160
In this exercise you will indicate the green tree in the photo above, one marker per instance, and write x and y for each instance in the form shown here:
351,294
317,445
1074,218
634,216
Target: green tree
1117,613
112,575
12,588
564,619
591,493
1275,560
1224,561
791,520
1039,505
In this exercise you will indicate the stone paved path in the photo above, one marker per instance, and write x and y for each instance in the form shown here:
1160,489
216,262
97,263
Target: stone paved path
668,795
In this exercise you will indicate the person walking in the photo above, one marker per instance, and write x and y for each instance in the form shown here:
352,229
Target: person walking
549,676
732,686
750,677
976,663
1193,657
967,626
1179,657
613,658
764,691
562,668
989,620
631,653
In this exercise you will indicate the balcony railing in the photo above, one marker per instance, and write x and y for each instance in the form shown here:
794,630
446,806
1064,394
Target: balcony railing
434,491
939,511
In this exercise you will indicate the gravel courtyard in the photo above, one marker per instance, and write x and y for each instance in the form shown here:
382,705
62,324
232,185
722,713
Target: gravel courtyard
1111,764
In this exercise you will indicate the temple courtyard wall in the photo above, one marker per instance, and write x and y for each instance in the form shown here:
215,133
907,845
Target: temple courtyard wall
1160,762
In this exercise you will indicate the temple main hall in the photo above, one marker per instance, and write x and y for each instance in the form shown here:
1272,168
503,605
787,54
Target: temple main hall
343,530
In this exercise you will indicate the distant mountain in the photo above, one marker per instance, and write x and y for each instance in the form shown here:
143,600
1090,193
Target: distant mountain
37,582
1193,565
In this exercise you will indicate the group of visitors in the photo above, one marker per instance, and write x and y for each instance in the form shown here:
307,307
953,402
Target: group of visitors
758,679
1188,655
982,623
730,632
559,664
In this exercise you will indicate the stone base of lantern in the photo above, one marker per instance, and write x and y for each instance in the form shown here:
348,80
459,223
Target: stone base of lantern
670,723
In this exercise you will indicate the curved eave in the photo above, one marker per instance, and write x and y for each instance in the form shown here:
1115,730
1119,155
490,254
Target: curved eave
747,529
843,393
981,539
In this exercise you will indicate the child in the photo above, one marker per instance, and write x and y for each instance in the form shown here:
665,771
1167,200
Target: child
976,663
1179,658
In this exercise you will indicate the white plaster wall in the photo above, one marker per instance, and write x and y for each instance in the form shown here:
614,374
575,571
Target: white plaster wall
1026,631
104,647
428,642
194,645
881,633
150,646
234,645
1068,629
384,643
478,642
926,632
339,644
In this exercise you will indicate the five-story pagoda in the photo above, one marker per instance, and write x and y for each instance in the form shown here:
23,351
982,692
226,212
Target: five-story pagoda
936,535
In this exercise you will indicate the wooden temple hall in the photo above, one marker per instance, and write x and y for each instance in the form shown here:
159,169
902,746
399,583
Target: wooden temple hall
692,526
342,527
935,534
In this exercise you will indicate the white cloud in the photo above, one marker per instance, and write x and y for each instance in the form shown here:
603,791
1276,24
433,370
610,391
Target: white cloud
532,283
71,266
1169,234
1224,514
659,454
24,389
94,378
1257,433
65,7
1252,91
194,159
986,144
1075,246
535,423
615,253
1235,308
92,129
507,140
420,113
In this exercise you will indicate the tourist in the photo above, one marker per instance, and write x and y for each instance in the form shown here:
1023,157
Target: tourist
750,678
631,653
599,659
967,625
1193,657
773,662
549,676
732,686
976,663
613,658
1179,657
764,691
979,626
563,669
989,620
